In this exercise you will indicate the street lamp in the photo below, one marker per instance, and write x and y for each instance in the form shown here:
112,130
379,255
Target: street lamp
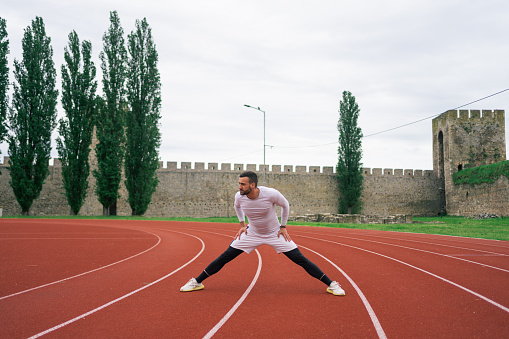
258,108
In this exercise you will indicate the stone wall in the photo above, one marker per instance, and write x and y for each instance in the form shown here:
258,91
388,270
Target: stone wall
459,139
390,192
469,200
467,139
200,191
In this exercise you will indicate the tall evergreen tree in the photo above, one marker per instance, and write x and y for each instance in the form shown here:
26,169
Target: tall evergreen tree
33,115
111,116
4,79
78,101
349,168
142,130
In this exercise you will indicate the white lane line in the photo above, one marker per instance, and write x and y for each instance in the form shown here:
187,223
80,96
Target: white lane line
124,296
494,303
371,312
238,303
82,274
431,237
443,245
425,251
242,298
374,319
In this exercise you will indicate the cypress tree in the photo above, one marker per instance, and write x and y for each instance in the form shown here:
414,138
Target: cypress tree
33,115
78,102
349,168
4,79
111,116
142,130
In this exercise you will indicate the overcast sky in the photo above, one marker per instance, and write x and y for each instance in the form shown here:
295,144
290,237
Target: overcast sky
402,60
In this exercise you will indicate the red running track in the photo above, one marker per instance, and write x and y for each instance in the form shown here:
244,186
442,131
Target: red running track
114,278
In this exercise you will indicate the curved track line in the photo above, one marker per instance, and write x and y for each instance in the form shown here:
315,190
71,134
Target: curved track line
435,244
494,303
82,274
242,298
372,315
371,312
425,251
457,238
239,302
124,296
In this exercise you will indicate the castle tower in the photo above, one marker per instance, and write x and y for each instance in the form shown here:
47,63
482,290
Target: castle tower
466,140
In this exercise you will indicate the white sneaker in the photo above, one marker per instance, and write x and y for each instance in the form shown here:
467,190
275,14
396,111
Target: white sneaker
192,285
335,288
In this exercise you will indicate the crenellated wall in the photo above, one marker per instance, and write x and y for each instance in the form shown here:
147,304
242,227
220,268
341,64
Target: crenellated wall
460,139
200,190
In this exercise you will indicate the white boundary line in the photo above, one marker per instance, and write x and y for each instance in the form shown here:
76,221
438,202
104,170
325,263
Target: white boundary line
371,312
238,303
242,298
124,296
494,303
426,251
82,274
421,242
374,319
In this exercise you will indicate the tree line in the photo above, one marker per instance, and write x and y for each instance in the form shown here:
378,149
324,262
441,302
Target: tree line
126,116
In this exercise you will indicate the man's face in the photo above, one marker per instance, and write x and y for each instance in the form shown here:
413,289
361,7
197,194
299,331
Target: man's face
244,186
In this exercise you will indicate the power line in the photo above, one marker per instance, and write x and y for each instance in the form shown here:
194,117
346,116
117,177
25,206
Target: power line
384,131
410,123
436,115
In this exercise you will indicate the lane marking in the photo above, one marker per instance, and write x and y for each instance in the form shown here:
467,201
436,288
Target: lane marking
371,312
443,245
82,274
425,251
242,298
494,303
124,296
238,303
374,319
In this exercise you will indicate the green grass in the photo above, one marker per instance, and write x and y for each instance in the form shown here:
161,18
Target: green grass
497,229
482,174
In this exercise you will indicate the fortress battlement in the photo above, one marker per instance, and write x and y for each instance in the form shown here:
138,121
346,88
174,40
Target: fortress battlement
172,166
288,169
473,115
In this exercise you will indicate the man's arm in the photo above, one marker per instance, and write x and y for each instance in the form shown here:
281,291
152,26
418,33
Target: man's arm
241,216
285,211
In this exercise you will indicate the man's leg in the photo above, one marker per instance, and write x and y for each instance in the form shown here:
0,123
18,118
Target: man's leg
297,257
214,267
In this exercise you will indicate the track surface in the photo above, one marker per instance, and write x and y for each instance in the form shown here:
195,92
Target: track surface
117,279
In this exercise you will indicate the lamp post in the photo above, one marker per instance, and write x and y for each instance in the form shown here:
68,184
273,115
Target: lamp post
258,108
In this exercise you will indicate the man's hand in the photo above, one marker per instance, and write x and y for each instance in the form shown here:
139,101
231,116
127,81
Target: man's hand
243,229
285,234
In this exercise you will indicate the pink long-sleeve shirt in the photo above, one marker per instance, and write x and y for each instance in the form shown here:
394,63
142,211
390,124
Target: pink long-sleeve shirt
261,212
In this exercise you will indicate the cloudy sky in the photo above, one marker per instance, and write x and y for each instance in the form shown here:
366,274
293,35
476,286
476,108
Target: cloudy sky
404,61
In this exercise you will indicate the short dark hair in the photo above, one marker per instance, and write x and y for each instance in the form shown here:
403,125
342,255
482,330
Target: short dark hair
251,175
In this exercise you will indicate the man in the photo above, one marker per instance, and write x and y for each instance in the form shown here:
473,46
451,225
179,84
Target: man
258,204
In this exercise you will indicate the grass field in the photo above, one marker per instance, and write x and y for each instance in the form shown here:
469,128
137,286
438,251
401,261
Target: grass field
497,228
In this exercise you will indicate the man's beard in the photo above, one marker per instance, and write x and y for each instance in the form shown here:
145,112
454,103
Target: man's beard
246,191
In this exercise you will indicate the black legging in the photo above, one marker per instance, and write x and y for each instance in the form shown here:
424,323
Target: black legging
294,255
297,257
214,267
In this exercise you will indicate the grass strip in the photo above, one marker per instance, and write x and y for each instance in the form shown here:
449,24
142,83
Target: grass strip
495,228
